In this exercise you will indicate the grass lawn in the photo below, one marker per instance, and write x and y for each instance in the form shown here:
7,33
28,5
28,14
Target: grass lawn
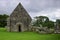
4,35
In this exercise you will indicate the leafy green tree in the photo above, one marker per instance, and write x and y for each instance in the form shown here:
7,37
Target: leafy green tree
41,20
44,21
3,20
58,22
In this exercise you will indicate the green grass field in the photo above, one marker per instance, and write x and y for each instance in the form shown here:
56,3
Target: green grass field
4,35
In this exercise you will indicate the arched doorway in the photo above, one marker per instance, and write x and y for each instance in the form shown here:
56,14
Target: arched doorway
19,28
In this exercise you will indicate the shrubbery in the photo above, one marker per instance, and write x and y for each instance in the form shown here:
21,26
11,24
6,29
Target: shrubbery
3,20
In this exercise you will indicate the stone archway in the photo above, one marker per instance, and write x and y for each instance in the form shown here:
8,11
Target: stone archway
20,27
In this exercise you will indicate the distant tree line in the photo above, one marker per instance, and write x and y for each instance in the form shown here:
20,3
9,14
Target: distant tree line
3,20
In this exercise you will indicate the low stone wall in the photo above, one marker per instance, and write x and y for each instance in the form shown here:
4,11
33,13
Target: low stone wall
41,29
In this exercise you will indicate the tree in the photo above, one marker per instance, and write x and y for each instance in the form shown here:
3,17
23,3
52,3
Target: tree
3,20
58,22
44,21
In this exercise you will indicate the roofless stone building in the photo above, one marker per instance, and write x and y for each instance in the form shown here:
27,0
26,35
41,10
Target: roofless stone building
19,20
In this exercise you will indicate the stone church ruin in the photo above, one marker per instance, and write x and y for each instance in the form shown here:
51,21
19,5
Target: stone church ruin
19,20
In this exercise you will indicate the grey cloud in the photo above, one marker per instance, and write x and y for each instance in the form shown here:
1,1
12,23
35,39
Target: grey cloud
39,5
32,6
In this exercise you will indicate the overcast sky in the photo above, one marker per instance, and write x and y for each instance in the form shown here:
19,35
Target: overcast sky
49,8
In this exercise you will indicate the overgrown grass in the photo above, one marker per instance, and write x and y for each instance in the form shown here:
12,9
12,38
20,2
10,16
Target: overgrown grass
4,35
